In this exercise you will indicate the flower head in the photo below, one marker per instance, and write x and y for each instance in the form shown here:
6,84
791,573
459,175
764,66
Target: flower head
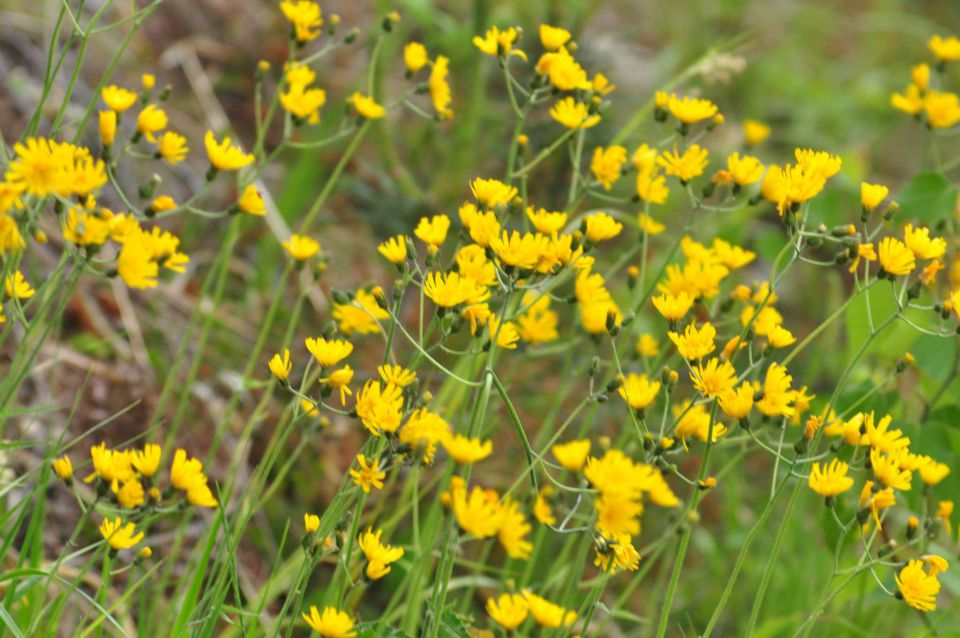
118,535
224,155
331,623
829,479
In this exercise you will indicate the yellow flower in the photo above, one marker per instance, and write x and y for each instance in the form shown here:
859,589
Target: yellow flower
17,286
424,431
329,353
478,512
737,403
465,450
332,623
651,186
552,38
301,247
509,610
887,470
691,110
491,193
394,249
918,588
546,613
830,479
152,119
369,475
362,316
496,42
647,345
563,71
895,257
225,156
162,203
714,378
684,166
546,222
414,56
366,106
340,380
942,109
695,343
519,251
933,472
744,170
638,391
311,523
872,194
107,126
147,461
572,455
755,132
910,102
130,495
118,535
452,289
397,375
539,323
303,102
673,307
186,475
695,421
433,230
380,407
118,99
378,555
440,87
573,115
946,49
542,510
921,245
607,164
172,147
251,202
777,395
601,227
306,18
513,530
63,467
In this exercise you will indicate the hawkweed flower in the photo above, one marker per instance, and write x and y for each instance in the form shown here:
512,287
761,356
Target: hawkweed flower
689,110
871,195
17,286
684,166
280,365
117,98
394,250
146,461
397,375
328,352
378,555
601,227
152,119
496,42
311,523
920,243
917,587
369,475
546,613
366,106
638,391
744,170
414,56
932,472
331,623
509,610
607,164
754,132
491,193
737,403
186,475
945,49
829,479
573,115
546,222
305,17
887,470
301,247
714,378
433,230
225,156
339,380
552,38
466,450
572,455
118,535
172,147
251,202
439,87
695,343
107,126
64,468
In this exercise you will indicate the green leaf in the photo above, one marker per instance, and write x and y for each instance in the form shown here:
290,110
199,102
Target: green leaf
376,631
451,626
929,197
